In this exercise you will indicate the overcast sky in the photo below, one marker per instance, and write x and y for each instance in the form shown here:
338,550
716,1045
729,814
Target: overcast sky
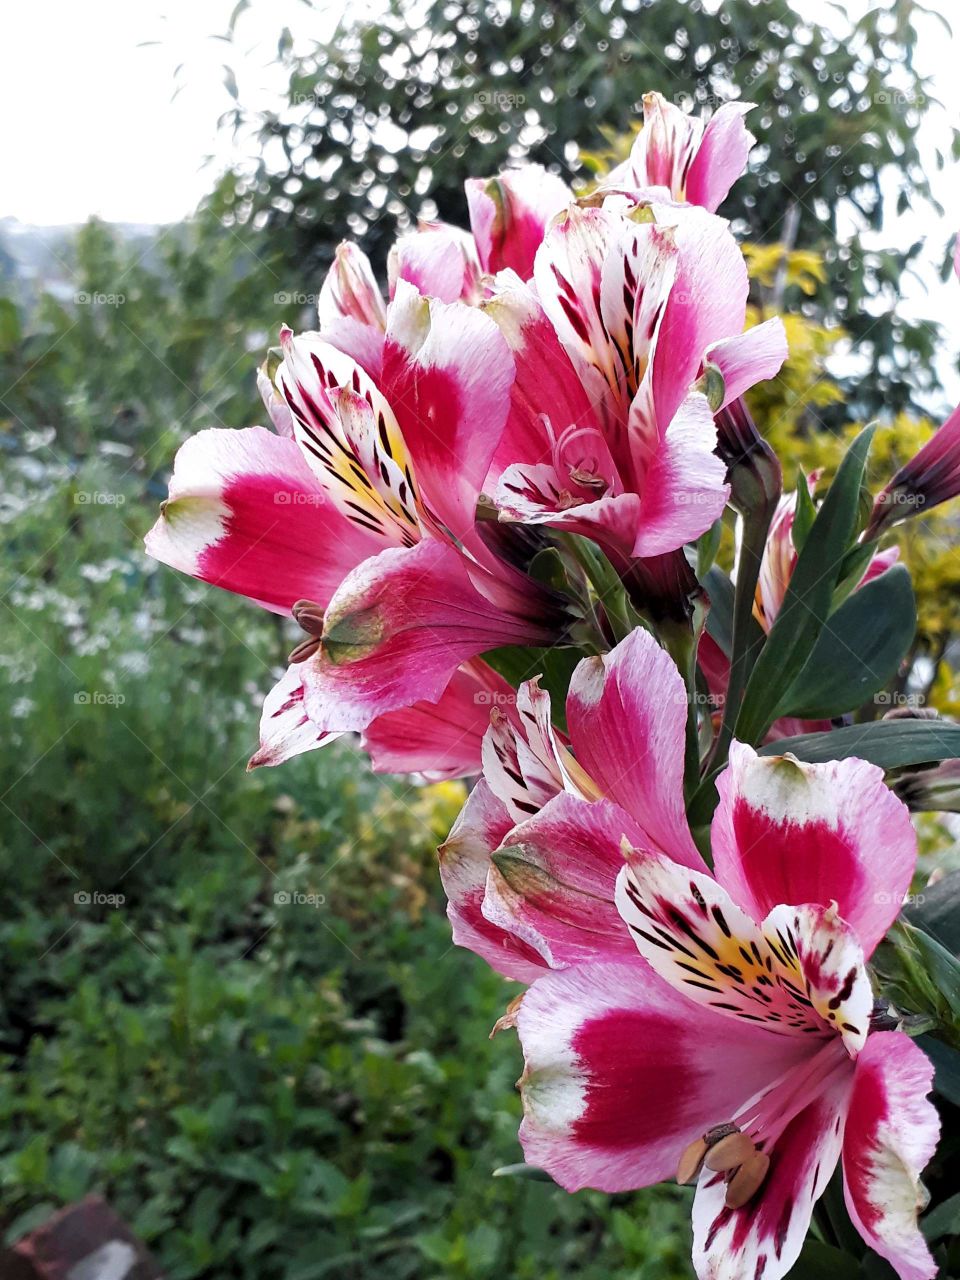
91,128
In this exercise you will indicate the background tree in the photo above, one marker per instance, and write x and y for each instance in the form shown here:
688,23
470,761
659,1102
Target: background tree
384,124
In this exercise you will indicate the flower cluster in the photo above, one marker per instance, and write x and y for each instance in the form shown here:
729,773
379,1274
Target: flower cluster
490,499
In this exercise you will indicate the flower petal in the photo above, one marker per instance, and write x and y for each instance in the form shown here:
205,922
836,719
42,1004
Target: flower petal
721,156
707,303
762,1240
439,739
749,358
246,513
800,973
621,1074
684,490
285,728
627,714
350,290
440,261
448,372
791,832
396,631
891,1134
509,214
464,863
552,882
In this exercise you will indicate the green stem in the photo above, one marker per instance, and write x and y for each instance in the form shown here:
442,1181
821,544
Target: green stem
756,526
605,581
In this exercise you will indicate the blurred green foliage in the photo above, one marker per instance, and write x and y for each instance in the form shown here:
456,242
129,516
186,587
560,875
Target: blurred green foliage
267,1056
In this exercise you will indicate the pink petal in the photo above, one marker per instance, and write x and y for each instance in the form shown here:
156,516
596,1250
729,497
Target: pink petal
627,714
546,382
688,929
749,358
440,261
350,291
707,303
246,513
762,1240
509,215
721,156
622,1073
439,739
464,863
396,631
552,884
791,832
285,728
448,373
891,1134
684,490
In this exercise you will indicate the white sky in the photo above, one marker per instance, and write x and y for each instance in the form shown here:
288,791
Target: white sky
91,128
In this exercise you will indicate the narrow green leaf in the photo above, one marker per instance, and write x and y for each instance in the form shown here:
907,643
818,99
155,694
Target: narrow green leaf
528,1172
936,910
946,1066
943,968
944,1220
805,514
853,657
720,590
887,743
806,605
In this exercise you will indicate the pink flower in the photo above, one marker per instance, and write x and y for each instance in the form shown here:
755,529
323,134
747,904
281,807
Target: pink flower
364,518
668,1003
608,435
930,477
780,559
695,161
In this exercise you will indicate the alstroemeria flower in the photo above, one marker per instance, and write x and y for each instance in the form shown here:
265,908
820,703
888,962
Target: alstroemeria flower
780,559
693,160
930,477
628,312
363,525
683,1004
618,771
510,213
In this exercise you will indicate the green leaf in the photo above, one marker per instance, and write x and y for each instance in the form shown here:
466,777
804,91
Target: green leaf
556,666
942,967
528,1172
853,657
936,910
946,1067
805,514
720,614
819,1261
944,1220
887,743
808,599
